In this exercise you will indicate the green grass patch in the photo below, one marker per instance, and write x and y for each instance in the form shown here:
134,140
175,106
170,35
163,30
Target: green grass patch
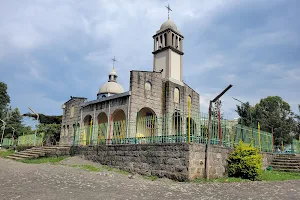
152,178
220,180
279,176
87,167
115,170
4,154
100,169
266,176
44,160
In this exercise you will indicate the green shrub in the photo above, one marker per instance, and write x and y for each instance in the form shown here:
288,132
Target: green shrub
245,162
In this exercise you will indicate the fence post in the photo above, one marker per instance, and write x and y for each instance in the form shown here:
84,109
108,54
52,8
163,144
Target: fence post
259,142
189,121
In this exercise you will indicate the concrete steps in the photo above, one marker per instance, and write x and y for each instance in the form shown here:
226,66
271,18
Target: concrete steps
36,152
286,163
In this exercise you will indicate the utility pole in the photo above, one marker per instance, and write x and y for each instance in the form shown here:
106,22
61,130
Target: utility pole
37,119
3,129
208,130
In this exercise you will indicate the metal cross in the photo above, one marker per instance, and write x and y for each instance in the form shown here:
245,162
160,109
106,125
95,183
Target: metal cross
114,60
169,9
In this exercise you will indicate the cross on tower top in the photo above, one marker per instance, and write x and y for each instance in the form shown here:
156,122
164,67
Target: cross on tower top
114,60
169,9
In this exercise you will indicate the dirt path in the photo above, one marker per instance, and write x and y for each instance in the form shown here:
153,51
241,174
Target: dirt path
60,181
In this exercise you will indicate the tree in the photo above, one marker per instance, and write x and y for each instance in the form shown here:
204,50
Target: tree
46,119
14,121
51,131
245,113
4,99
272,113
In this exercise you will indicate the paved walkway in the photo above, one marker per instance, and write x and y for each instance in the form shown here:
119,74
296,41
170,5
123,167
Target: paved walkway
60,181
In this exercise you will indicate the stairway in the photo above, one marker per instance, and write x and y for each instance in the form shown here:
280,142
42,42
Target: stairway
36,152
286,162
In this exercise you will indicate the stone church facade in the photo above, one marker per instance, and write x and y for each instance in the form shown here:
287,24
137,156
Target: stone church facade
160,96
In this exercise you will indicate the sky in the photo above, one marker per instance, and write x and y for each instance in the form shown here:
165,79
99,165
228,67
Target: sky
52,49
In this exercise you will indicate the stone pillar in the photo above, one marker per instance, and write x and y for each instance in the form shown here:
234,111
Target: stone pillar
163,41
169,38
181,45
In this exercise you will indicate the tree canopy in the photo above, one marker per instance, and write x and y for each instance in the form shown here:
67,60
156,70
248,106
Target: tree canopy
273,114
4,100
12,117
45,119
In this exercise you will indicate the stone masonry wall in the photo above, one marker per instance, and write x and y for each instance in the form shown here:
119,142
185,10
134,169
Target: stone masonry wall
142,98
162,160
177,161
217,160
66,138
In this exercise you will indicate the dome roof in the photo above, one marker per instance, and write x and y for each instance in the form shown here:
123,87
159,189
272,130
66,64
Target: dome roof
111,87
168,24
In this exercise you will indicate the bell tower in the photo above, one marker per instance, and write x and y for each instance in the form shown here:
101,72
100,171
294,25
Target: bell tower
168,51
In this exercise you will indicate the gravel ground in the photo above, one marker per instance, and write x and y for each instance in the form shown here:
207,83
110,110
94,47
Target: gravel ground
61,181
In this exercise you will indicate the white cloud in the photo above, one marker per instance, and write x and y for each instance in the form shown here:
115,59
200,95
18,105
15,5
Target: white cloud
88,34
37,101
281,37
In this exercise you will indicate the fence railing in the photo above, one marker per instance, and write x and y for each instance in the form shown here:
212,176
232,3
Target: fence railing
296,146
173,129
31,140
293,148
7,142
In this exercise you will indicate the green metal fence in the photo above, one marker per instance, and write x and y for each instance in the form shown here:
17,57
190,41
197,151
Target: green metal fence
8,142
171,129
31,140
296,146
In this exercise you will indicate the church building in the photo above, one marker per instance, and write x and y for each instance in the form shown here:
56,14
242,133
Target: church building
158,104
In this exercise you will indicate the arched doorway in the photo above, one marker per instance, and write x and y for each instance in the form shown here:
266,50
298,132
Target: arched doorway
146,124
87,131
118,126
191,127
102,128
177,129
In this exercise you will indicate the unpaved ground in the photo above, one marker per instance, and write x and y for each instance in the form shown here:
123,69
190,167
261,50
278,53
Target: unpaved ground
60,181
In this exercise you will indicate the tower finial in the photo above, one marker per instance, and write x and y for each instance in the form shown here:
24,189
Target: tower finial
114,60
169,9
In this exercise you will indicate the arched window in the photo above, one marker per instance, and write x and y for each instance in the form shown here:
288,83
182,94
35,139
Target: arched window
72,111
176,95
103,95
189,99
161,41
148,86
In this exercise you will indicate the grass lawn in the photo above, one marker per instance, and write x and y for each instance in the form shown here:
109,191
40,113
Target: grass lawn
266,176
88,168
44,160
3,154
279,176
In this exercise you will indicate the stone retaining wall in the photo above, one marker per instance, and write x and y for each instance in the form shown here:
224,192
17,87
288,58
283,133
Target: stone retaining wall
177,161
162,160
